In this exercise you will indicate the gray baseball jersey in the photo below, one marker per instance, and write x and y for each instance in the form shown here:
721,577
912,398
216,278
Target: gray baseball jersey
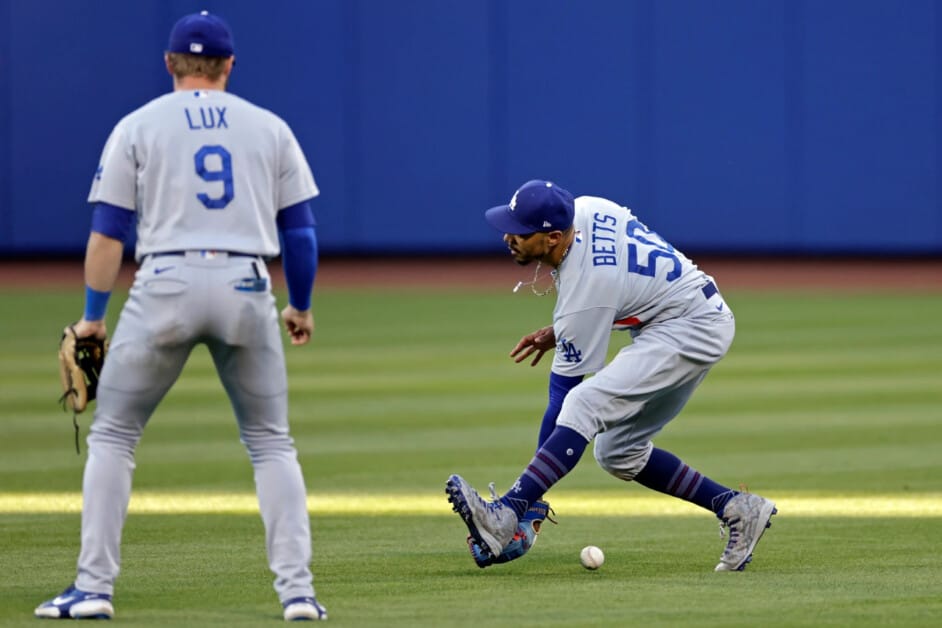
204,169
618,274
206,173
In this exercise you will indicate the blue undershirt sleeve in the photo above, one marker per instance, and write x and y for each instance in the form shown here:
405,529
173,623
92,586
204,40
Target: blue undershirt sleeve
299,260
112,221
298,252
559,387
299,215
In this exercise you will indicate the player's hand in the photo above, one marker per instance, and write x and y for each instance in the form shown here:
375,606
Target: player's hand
84,329
299,325
539,342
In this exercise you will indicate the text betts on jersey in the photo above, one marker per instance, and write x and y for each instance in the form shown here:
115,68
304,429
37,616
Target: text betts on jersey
603,254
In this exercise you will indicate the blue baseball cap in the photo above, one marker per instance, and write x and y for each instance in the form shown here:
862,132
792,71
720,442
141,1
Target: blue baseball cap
201,34
536,206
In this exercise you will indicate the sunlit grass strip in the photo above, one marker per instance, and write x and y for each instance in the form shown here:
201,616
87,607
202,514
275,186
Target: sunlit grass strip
566,504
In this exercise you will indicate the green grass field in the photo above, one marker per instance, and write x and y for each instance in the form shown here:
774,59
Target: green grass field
829,404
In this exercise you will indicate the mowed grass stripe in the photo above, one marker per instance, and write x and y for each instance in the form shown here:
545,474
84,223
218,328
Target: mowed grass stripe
750,378
587,504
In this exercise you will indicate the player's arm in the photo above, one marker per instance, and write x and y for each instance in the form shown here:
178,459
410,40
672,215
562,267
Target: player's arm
104,251
299,260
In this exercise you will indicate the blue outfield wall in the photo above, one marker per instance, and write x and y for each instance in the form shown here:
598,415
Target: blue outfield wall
783,126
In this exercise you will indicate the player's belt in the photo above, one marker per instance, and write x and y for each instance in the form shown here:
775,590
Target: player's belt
709,290
203,253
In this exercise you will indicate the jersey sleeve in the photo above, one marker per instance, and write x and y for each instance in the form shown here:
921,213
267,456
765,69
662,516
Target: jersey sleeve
295,180
115,181
582,341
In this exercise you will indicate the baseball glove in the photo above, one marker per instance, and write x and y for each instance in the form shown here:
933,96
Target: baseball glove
80,363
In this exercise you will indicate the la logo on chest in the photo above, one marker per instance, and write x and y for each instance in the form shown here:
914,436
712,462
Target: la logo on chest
206,118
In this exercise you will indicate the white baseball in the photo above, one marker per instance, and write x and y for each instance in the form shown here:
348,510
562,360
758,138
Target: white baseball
591,557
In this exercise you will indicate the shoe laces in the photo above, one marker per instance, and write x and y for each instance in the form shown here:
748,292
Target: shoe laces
733,526
495,506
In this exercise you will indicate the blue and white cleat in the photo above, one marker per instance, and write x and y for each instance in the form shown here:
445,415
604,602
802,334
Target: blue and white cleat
528,529
75,604
304,609
747,516
491,524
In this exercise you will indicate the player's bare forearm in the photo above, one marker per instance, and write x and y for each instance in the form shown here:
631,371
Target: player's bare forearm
102,261
103,255
539,342
298,324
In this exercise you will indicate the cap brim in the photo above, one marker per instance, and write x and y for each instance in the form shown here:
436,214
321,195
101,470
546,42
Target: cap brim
502,219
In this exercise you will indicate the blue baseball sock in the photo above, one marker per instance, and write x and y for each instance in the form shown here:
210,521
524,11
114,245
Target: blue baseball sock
557,457
668,474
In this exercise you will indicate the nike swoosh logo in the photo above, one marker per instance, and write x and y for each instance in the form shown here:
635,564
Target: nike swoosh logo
60,600
157,271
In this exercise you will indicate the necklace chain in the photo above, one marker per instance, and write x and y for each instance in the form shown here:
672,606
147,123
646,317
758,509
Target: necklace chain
549,288
536,277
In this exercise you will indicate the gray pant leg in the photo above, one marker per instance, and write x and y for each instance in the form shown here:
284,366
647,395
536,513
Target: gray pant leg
136,376
625,449
255,379
629,401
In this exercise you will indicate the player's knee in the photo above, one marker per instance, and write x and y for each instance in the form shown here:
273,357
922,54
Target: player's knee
579,412
264,443
112,435
581,399
624,465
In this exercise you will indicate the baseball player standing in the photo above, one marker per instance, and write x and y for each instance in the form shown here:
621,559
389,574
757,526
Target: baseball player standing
212,181
611,271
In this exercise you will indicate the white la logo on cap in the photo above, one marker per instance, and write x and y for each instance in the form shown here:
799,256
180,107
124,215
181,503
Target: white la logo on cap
513,201
547,223
196,48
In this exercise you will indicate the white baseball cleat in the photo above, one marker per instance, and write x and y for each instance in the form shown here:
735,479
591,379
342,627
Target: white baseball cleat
747,516
75,604
304,609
